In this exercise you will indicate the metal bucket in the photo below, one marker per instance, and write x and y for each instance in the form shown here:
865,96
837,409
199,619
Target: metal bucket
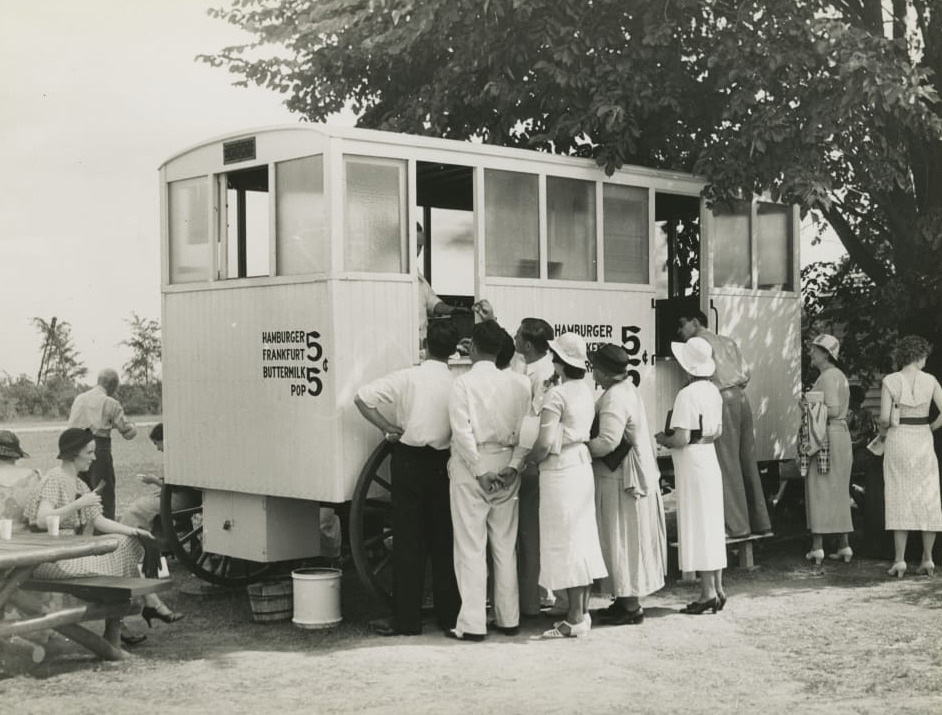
316,597
270,601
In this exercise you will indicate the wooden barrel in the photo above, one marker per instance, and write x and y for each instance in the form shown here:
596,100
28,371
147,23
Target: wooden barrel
271,601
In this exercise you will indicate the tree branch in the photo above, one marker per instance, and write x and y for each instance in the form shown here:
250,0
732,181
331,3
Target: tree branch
858,252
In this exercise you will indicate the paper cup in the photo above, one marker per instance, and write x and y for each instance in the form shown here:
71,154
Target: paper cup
6,529
52,524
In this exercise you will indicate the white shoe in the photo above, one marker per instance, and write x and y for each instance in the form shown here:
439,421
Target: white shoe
566,630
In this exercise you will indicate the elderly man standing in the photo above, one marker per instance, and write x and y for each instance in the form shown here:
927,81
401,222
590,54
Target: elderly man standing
743,500
485,412
97,410
420,506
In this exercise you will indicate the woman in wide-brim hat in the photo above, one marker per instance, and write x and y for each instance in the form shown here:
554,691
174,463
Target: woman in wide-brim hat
696,421
827,488
570,554
16,482
628,505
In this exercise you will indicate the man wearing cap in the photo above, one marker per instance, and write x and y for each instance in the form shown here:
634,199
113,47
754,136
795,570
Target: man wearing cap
419,430
485,412
97,410
743,499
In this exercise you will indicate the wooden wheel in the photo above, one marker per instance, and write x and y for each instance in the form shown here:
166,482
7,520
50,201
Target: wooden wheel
181,517
371,532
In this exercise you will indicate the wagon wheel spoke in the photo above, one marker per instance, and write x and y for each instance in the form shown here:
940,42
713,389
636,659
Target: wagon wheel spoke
371,539
187,512
195,534
379,480
381,566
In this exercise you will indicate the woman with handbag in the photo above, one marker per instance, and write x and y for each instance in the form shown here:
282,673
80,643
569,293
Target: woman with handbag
695,422
827,484
628,506
910,467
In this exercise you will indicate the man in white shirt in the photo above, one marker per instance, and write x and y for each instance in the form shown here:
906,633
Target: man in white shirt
97,410
485,411
421,514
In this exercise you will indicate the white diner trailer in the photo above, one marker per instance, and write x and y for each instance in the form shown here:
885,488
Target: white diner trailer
289,277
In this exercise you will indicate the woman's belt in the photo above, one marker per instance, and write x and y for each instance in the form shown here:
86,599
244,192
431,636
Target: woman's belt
493,447
914,420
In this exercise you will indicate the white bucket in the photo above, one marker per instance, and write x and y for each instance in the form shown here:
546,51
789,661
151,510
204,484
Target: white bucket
316,597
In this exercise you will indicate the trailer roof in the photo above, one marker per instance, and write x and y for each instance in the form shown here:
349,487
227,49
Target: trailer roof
417,141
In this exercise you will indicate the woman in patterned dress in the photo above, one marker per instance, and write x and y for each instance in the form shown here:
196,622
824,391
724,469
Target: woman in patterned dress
62,493
910,467
827,497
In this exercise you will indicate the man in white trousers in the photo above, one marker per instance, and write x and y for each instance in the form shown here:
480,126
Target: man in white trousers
485,411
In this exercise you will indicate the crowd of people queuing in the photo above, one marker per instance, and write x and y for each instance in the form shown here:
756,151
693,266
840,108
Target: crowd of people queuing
523,488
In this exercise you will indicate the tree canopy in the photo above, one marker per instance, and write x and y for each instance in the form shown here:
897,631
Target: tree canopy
830,104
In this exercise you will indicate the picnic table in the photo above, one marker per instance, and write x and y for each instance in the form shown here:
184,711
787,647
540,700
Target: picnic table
109,599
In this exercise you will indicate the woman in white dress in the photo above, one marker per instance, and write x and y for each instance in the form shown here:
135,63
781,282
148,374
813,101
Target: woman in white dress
628,506
570,555
696,421
910,467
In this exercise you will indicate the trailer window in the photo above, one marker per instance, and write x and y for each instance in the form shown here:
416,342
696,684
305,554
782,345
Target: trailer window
375,212
774,246
625,223
301,237
188,225
570,229
732,254
248,244
512,224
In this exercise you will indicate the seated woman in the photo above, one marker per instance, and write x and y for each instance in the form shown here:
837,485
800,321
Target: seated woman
15,482
61,493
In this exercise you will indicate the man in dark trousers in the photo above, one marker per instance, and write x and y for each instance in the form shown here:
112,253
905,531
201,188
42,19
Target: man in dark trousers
418,426
97,410
743,500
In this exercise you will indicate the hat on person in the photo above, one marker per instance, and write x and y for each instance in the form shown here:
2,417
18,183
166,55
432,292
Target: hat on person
10,445
695,357
611,358
828,343
570,348
72,440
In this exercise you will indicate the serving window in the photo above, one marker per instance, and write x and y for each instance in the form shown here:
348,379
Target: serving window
375,214
753,246
732,252
188,228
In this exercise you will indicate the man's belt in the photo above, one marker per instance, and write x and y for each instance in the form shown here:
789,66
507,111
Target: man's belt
914,420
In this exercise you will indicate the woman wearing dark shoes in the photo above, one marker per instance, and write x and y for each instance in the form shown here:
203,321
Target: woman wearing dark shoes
695,423
62,493
629,510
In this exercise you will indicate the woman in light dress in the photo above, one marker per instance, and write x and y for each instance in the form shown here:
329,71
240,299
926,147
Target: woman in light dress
826,493
16,482
628,506
910,467
570,555
696,422
62,493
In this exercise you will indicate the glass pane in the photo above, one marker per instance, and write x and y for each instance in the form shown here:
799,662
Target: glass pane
189,230
375,216
452,252
625,209
511,224
570,229
732,257
774,246
302,241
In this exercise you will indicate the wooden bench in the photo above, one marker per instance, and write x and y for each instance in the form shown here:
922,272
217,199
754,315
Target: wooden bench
108,598
743,545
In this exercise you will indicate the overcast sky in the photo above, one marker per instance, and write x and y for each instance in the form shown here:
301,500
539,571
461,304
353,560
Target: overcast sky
94,96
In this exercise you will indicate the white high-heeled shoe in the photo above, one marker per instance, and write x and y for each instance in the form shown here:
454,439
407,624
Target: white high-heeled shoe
897,569
846,554
927,568
816,555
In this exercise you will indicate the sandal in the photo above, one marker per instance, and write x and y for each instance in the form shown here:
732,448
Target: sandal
571,631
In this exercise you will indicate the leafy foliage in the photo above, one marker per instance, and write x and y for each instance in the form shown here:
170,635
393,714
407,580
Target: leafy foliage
146,350
830,104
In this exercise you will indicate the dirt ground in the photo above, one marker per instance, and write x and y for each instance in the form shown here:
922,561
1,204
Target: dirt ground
793,638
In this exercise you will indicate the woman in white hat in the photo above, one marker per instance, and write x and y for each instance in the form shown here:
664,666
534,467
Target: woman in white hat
570,554
695,422
826,492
